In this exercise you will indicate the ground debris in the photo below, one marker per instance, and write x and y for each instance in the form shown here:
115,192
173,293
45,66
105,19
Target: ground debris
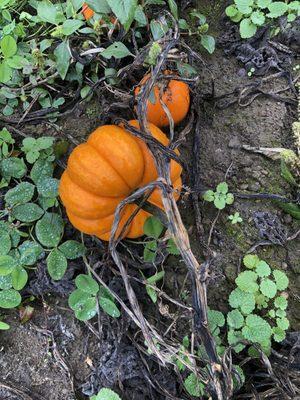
270,227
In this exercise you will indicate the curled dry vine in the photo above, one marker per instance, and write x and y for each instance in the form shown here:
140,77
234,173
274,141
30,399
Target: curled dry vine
219,382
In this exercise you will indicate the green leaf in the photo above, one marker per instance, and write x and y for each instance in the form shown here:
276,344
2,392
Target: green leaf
263,269
87,310
290,208
63,58
56,264
156,277
158,29
20,194
244,301
173,8
116,50
5,72
4,326
222,188
281,279
107,394
208,42
209,195
246,281
277,9
187,71
220,201
124,10
280,313
7,264
87,284
109,307
99,6
6,282
13,167
5,243
19,278
8,46
229,198
234,337
247,28
215,319
28,212
256,330
263,3
244,6
17,62
258,18
9,298
281,302
151,293
150,251
235,319
47,11
153,227
49,229
194,386
251,261
283,323
268,288
45,142
231,11
172,248
29,252
70,26
72,249
279,334
140,16
41,169
286,173
48,187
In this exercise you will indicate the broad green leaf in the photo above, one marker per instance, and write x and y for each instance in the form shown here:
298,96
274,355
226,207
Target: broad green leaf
246,281
172,249
20,194
173,8
72,249
5,242
156,277
87,310
234,338
231,11
5,72
150,251
281,302
153,227
87,284
256,330
208,42
215,319
124,10
277,9
250,261
48,187
235,319
194,386
17,62
244,6
109,307
7,264
99,6
56,264
63,58
263,3
4,326
8,46
47,11
220,201
222,188
263,269
290,208
107,394
151,293
280,313
41,169
45,142
70,26
281,279
279,334
209,195
244,301
13,167
49,229
247,28
77,298
5,282
268,288
9,298
30,252
28,212
19,278
186,70
116,50
140,16
158,29
283,323
258,18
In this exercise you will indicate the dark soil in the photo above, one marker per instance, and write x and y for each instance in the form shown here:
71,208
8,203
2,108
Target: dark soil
53,356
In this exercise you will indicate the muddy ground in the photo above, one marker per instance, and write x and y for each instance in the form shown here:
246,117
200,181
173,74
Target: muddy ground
53,355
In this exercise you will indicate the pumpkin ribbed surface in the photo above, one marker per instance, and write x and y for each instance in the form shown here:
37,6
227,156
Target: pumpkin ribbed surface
103,171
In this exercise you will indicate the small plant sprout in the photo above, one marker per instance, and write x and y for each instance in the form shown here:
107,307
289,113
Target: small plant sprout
106,394
251,71
235,218
220,197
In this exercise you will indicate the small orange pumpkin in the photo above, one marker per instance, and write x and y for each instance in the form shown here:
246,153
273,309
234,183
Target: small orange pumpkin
106,169
174,94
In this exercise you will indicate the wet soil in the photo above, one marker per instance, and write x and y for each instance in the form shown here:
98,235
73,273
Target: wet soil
52,356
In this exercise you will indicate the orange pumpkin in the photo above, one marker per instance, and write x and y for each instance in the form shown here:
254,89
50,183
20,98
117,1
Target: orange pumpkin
105,170
174,94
